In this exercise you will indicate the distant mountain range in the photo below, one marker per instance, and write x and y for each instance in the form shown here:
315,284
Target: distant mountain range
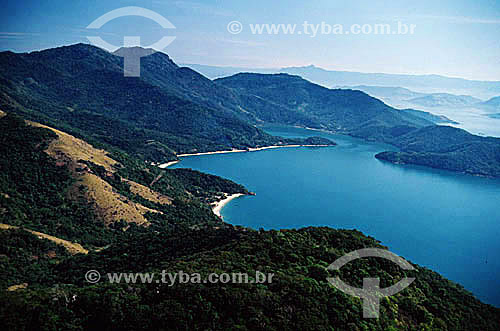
491,105
493,102
214,72
445,100
387,92
331,78
393,89
398,96
420,83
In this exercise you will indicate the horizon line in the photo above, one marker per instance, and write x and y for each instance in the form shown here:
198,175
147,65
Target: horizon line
340,70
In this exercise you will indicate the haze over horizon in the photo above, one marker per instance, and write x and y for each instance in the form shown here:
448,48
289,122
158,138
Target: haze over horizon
333,69
446,41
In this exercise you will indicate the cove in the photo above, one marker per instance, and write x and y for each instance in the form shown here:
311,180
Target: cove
445,221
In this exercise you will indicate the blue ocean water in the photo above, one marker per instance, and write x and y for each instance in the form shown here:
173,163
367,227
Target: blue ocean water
445,221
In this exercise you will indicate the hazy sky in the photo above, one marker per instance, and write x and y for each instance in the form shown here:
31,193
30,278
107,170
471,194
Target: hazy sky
452,37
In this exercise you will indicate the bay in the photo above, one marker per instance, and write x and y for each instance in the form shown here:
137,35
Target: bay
445,221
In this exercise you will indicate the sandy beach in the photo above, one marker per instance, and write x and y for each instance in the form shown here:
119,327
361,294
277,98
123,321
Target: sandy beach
217,207
250,150
168,164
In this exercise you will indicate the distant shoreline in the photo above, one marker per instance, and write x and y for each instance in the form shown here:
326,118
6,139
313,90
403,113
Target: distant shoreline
256,149
250,150
217,207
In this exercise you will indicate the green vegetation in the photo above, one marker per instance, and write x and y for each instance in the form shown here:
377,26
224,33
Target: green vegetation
81,90
35,190
26,259
298,298
292,100
448,148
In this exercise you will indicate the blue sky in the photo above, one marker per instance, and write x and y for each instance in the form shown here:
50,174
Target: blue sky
454,38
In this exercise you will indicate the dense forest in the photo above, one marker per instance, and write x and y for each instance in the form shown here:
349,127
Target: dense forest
448,148
298,298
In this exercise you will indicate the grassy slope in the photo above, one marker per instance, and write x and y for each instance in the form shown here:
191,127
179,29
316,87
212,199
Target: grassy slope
72,248
69,189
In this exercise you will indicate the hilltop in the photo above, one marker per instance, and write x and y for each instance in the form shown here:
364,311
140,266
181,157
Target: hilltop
81,89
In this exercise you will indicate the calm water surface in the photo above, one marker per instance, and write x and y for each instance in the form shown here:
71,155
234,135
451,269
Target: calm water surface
445,221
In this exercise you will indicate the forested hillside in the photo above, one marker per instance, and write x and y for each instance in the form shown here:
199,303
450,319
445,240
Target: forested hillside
448,148
298,298
59,185
78,192
282,98
81,89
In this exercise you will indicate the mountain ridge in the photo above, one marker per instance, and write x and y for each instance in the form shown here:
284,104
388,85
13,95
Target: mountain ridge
322,105
337,111
430,83
332,78
81,89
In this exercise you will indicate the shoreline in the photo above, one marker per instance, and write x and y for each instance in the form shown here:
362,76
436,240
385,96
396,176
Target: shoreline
217,207
250,150
168,164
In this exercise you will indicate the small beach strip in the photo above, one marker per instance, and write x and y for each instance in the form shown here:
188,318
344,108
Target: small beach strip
250,149
217,207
